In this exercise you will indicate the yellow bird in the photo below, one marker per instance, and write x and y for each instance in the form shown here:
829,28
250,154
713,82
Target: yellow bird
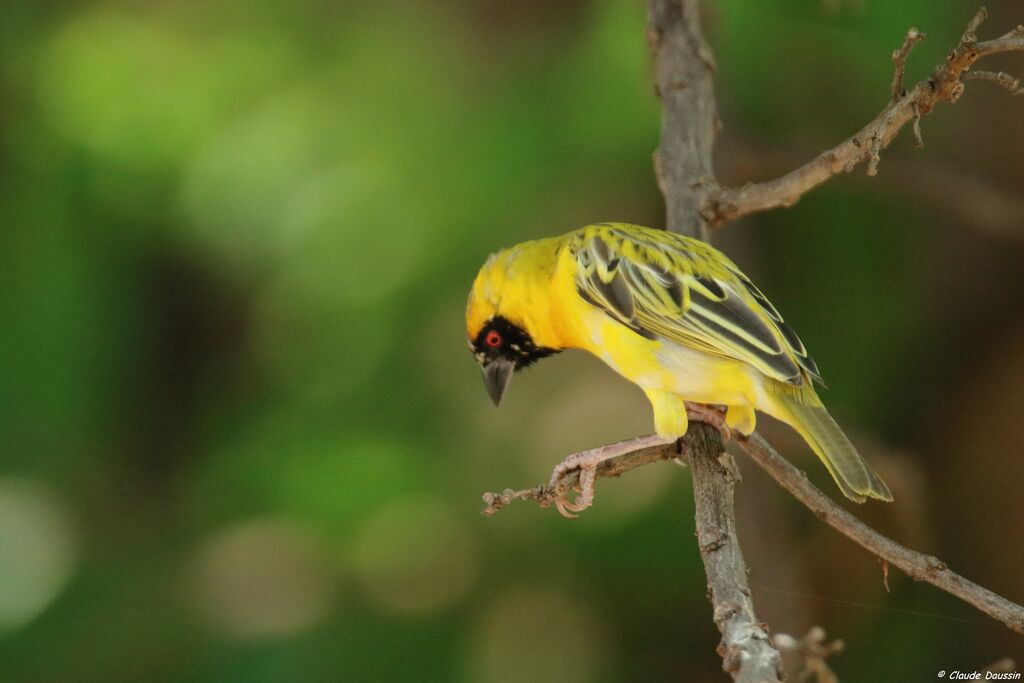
669,313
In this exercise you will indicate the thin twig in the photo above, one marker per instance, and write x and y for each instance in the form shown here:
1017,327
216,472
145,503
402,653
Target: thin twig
972,26
812,652
918,566
546,495
684,68
946,84
918,138
899,60
969,199
999,78
877,142
747,651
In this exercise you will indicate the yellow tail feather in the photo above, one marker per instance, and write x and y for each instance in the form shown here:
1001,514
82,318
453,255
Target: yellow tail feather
854,476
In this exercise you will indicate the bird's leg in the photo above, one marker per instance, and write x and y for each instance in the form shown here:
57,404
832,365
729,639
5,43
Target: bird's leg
586,462
741,418
708,414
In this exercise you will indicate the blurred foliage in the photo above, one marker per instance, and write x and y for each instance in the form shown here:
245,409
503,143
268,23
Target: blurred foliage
240,436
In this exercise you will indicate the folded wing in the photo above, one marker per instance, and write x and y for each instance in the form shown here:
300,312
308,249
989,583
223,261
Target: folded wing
672,287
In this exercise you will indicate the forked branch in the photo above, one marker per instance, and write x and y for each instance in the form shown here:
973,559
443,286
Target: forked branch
918,566
946,84
684,67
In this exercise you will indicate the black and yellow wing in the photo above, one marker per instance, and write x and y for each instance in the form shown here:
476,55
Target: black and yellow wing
664,285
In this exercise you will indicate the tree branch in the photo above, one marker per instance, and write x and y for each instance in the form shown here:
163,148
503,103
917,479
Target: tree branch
918,566
946,84
545,495
685,67
746,650
812,653
1001,78
683,163
899,60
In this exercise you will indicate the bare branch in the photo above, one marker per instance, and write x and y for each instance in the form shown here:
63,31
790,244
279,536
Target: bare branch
685,67
999,78
545,495
918,566
946,84
972,26
977,202
899,60
747,651
812,652
918,138
877,142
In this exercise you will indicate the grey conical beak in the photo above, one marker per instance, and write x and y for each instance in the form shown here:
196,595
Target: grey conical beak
497,376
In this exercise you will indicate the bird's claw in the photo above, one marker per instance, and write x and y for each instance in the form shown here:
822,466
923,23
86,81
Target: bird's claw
586,462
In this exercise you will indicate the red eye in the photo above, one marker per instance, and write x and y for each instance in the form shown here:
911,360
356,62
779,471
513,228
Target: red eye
493,339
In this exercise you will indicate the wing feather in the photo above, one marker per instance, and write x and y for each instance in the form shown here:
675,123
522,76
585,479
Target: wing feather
668,286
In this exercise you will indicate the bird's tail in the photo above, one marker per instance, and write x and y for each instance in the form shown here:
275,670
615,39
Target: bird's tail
802,410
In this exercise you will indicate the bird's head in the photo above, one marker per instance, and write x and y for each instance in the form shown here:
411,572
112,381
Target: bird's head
507,319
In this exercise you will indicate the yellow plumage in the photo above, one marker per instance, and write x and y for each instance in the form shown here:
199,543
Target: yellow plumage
669,313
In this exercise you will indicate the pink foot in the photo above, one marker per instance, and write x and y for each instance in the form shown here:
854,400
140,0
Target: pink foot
586,462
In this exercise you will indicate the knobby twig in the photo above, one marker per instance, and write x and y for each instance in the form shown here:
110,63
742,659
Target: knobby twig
946,84
999,78
972,201
812,653
546,495
918,566
746,650
899,60
684,69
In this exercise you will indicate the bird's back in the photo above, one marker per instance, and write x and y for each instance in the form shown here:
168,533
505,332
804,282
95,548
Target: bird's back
675,288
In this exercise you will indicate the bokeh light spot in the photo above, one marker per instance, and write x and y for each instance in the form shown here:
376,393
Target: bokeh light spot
235,188
38,549
262,578
530,634
415,556
359,244
127,89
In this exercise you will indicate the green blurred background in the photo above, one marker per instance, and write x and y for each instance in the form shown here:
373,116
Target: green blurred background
241,438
